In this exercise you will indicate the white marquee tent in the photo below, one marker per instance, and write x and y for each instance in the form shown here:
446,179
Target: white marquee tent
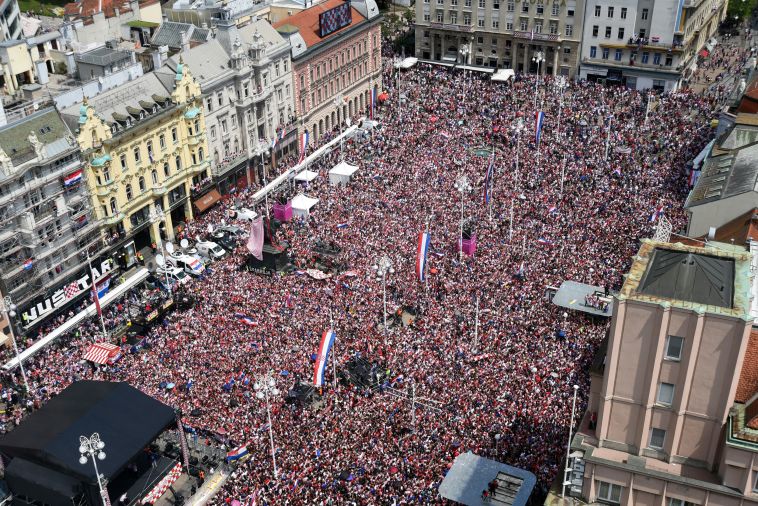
302,204
341,173
503,75
306,176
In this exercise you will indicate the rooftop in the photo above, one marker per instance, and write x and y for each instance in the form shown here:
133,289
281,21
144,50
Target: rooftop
88,8
103,56
748,383
170,34
726,175
714,278
307,22
471,474
46,125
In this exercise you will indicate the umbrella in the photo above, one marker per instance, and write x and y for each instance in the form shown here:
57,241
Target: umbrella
162,384
284,373
170,386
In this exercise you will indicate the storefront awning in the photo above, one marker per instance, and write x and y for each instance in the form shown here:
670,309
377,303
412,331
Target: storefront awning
704,53
206,201
101,353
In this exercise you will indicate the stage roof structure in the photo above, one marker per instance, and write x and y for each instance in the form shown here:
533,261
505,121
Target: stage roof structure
341,173
471,474
571,295
503,75
126,419
306,176
406,63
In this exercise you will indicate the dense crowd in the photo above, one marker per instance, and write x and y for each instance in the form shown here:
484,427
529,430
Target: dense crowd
568,213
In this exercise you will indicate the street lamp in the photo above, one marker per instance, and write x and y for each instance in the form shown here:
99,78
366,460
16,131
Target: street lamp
568,446
92,448
518,127
339,101
383,267
464,51
538,58
561,84
463,186
9,308
262,390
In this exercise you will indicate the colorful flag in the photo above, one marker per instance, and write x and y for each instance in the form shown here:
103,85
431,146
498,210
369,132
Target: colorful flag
657,214
342,225
237,453
246,320
694,176
424,241
303,145
255,241
373,103
488,180
95,295
544,242
539,118
71,290
617,172
273,142
552,209
282,133
28,264
72,178
327,340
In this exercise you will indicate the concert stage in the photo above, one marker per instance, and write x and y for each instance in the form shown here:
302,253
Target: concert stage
471,475
579,296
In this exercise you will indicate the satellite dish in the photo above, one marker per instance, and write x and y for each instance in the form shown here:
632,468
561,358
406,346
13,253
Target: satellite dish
170,247
184,243
160,260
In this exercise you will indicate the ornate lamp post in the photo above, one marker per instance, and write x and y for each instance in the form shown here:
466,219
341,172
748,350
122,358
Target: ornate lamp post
9,308
262,390
383,267
92,448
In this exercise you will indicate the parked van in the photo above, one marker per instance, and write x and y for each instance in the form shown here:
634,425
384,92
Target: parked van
188,264
175,275
210,250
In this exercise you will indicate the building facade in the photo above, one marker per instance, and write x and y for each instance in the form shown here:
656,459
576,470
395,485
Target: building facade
502,33
645,44
46,227
245,75
144,147
334,74
657,427
10,20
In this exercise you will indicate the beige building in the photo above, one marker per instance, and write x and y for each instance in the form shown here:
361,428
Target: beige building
662,426
502,33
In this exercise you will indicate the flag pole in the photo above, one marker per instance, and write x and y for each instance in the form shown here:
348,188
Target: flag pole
95,296
426,264
334,350
510,224
492,183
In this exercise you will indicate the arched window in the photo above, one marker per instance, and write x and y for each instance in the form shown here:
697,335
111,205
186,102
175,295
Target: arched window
94,137
155,176
142,186
201,153
114,207
178,161
166,169
216,158
128,192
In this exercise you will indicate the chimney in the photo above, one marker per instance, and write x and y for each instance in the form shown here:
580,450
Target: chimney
185,41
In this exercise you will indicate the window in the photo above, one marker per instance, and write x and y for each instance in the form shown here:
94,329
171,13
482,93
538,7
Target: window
570,12
114,207
665,394
106,174
142,186
656,438
645,57
553,28
605,53
595,29
453,18
508,26
607,32
656,58
680,502
569,30
593,51
122,159
524,7
481,4
495,24
166,170
618,54
538,28
162,141
755,482
213,132
480,22
524,24
644,14
440,19
623,13
466,3
136,154
174,136
621,33
209,104
150,150
128,192
427,17
597,11
496,5
540,9
669,60
178,162
154,175
510,6
556,9
643,33
608,492
610,12
674,345
466,18
220,99
234,121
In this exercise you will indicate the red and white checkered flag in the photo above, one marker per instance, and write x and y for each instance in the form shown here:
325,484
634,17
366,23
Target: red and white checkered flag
71,290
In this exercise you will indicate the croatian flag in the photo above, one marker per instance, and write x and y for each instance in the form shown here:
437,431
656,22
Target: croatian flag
373,103
488,180
544,242
237,453
282,133
303,145
553,209
424,240
273,142
327,340
28,264
342,225
72,178
96,296
539,117
246,320
657,214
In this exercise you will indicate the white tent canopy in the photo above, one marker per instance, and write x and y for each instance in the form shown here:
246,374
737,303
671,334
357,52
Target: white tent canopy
503,75
406,63
302,204
307,176
341,173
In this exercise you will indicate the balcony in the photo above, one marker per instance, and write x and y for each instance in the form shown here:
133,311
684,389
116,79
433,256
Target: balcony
452,27
112,220
200,167
653,44
159,190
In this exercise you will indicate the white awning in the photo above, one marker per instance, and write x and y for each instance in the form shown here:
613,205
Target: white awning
302,204
307,176
133,280
406,63
503,75
487,70
341,173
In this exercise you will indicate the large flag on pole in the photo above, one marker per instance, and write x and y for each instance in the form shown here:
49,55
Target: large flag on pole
424,240
488,180
255,240
327,340
539,118
303,145
373,103
95,295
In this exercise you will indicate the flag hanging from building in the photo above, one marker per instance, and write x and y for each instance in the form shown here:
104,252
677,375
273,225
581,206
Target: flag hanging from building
72,178
95,294
327,340
303,145
373,103
255,240
488,180
424,240
657,214
539,118
28,264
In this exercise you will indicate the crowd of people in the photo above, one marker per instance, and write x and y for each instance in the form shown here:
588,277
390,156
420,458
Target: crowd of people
573,210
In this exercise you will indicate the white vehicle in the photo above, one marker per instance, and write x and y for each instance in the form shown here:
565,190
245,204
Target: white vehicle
210,249
187,263
173,274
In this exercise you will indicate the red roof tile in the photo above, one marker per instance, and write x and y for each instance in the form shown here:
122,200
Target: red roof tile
307,21
87,8
748,383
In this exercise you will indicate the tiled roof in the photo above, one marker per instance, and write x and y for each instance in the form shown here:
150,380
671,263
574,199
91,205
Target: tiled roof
88,8
748,383
307,22
47,126
170,34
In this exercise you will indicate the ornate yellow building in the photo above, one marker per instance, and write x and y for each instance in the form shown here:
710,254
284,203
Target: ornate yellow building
144,146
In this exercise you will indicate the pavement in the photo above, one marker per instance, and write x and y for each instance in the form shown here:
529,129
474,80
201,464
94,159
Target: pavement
711,84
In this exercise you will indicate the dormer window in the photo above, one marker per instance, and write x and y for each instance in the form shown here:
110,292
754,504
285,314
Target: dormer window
142,115
155,109
114,129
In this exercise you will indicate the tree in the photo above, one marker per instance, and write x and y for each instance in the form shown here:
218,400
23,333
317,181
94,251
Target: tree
739,10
